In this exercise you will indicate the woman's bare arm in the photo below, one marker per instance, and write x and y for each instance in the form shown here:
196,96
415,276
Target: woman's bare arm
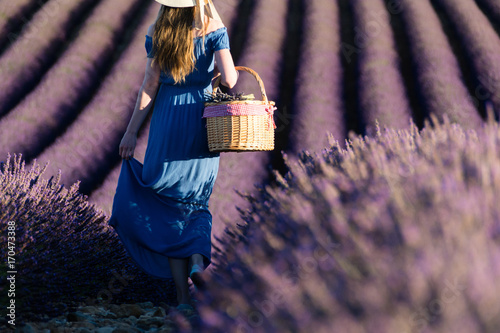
225,65
144,102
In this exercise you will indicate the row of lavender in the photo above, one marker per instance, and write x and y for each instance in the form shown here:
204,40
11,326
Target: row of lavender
492,7
69,84
35,49
381,91
318,99
12,15
481,44
437,72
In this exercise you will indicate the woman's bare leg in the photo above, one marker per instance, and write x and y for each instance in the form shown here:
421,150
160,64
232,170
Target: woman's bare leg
179,268
197,259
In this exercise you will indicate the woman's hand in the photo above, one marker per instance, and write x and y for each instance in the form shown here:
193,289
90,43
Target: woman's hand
127,145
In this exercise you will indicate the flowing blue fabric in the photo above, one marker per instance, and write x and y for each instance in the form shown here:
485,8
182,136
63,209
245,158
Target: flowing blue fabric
160,209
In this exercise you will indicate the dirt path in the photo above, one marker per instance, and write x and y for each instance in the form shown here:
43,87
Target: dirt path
113,318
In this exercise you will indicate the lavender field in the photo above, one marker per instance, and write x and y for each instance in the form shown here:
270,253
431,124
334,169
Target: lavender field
381,193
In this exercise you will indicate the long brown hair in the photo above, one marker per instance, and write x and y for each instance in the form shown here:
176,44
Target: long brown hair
173,41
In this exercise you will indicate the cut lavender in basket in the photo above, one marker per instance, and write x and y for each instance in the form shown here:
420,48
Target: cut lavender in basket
219,96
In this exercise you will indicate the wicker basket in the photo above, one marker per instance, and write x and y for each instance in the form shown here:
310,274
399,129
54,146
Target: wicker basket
240,125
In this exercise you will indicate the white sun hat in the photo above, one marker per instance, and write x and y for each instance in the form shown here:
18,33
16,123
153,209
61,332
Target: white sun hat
178,3
202,7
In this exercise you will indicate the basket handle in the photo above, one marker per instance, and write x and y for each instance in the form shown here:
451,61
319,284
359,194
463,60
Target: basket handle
249,70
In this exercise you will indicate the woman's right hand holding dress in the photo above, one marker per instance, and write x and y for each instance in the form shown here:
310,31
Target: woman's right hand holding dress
127,145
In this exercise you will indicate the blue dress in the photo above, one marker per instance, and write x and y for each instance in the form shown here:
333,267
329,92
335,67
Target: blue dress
160,209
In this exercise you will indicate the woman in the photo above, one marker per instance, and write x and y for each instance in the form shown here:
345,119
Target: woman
160,209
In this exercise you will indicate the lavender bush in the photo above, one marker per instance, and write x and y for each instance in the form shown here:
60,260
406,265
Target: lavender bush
396,233
65,253
12,14
69,84
480,43
318,99
382,95
34,50
438,75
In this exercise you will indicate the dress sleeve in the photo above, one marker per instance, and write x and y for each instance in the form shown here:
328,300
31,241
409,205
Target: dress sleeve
221,40
149,46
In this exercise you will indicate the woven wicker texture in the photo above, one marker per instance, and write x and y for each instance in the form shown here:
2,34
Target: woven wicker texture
251,132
